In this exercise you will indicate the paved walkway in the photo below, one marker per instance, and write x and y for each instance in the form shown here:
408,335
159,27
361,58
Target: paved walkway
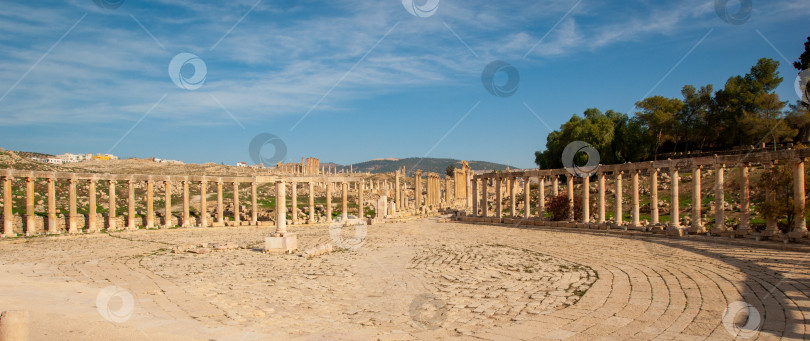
413,280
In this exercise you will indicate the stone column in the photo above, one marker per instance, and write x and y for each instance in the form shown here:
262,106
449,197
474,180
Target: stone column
91,207
569,179
131,205
150,204
719,193
8,219
360,199
484,197
329,201
203,203
52,207
498,198
281,207
254,204
397,192
654,195
475,199
527,200
635,212
512,202
541,197
800,225
29,206
417,180
167,203
771,227
344,188
601,181
294,199
220,205
111,207
674,212
586,199
72,228
555,187
311,203
697,220
619,217
186,206
236,207
745,198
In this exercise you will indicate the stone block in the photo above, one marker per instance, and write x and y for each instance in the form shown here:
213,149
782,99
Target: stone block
286,243
14,325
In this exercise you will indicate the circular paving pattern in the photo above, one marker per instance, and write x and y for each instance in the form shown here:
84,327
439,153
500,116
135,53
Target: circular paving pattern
413,280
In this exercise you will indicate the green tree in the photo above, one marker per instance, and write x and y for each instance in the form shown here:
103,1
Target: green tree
450,169
658,113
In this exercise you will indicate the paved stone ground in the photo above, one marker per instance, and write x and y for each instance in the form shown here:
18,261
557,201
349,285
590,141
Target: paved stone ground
413,280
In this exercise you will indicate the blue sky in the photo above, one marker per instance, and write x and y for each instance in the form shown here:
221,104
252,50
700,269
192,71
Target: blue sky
348,81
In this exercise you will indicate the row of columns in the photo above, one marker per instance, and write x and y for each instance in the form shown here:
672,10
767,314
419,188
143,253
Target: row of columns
92,223
480,198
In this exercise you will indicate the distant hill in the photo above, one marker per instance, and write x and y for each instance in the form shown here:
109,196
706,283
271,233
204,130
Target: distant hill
414,163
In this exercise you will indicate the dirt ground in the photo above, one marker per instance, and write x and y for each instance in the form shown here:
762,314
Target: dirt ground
416,280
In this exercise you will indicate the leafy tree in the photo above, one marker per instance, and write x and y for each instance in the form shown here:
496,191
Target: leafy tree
658,113
450,169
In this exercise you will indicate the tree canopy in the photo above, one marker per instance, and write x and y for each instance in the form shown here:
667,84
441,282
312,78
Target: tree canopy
746,111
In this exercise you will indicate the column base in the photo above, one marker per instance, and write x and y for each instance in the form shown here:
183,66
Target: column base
287,243
677,231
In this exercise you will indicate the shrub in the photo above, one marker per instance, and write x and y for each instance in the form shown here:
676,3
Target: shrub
558,206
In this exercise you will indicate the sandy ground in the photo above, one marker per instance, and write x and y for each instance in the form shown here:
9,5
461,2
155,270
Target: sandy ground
415,280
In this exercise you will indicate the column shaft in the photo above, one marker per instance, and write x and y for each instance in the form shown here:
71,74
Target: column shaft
601,180
111,207
186,207
745,198
719,193
167,204
281,208
527,200
512,202
635,213
236,206
541,197
294,200
72,228
150,204
345,198
8,219
569,184
674,213
800,224
654,196
131,205
91,207
220,205
52,229
29,206
498,198
586,199
203,204
697,221
475,197
328,201
360,199
254,204
619,215
311,202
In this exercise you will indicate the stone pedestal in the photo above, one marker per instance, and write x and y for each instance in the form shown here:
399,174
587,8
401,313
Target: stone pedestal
286,243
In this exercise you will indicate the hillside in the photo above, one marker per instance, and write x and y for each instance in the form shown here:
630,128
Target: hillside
413,163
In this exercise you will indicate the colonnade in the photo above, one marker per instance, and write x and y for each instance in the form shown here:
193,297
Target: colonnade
92,222
484,183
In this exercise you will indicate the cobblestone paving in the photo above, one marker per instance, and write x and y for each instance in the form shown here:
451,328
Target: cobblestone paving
414,280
